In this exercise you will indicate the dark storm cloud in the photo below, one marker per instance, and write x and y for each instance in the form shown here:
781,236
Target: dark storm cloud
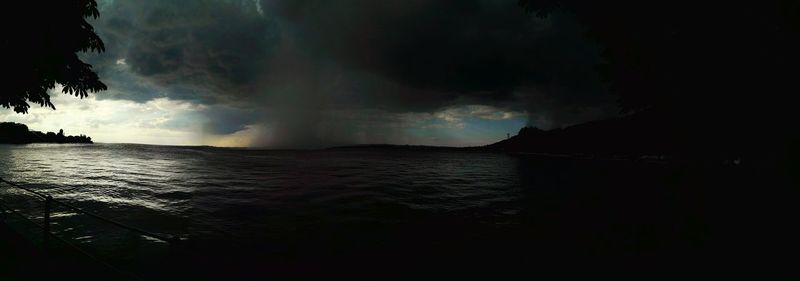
228,120
206,51
283,62
452,46
481,50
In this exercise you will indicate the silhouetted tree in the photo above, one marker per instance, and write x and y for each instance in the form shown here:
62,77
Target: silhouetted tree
42,52
60,138
13,133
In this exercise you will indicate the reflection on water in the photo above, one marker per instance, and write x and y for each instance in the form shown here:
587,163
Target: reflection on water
416,205
207,193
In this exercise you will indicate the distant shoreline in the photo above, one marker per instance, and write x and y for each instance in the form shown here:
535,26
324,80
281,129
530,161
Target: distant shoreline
399,147
15,133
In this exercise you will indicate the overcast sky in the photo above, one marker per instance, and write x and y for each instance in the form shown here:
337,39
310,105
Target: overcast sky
315,73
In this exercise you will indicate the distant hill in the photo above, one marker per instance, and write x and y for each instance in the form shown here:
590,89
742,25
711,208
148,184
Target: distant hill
14,133
649,135
397,147
643,135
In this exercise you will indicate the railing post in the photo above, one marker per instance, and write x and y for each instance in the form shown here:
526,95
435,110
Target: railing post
48,202
2,207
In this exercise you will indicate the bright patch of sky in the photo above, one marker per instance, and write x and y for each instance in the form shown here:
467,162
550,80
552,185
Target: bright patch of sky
170,122
117,121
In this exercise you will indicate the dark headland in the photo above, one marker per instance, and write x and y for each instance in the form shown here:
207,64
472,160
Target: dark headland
645,135
15,133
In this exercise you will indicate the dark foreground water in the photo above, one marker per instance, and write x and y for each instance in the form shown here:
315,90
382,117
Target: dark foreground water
247,213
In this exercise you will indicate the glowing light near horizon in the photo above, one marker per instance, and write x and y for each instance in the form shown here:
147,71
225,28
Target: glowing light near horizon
171,122
112,120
